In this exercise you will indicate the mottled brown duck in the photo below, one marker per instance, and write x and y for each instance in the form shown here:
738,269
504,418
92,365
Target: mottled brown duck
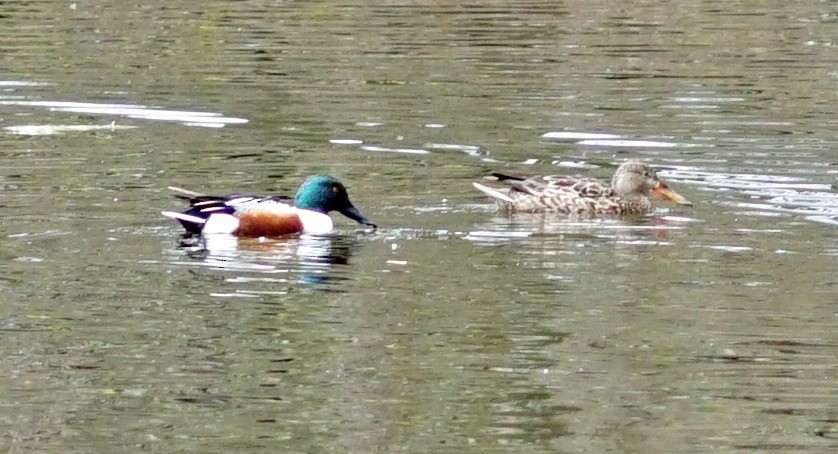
628,193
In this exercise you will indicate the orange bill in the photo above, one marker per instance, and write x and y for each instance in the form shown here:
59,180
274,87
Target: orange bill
663,192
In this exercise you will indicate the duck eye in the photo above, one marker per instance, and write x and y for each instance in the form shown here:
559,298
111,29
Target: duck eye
335,189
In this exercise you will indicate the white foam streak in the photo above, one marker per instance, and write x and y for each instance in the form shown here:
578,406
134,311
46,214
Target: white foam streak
45,130
564,136
189,118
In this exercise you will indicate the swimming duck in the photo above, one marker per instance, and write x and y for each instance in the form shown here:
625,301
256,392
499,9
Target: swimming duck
626,195
258,216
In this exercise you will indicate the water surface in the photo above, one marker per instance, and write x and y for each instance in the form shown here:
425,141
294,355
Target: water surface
452,327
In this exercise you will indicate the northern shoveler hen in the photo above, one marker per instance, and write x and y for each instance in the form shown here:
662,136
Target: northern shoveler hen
628,193
257,216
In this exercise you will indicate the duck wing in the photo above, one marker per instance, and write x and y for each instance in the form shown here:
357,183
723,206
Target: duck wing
550,193
560,185
202,207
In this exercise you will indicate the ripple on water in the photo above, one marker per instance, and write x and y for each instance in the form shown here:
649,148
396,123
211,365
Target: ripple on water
765,194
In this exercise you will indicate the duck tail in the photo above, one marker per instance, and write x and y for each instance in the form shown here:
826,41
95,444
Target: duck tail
493,193
503,177
190,222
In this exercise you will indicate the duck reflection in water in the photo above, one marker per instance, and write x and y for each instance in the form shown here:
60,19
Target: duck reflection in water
310,259
538,227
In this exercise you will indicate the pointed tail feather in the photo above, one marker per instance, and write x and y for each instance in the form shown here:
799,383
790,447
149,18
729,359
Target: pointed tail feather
493,193
183,217
192,224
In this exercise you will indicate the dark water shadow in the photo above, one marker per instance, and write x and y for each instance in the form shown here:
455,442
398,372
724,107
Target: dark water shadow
315,262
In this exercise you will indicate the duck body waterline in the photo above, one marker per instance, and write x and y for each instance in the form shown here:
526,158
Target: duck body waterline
628,193
267,216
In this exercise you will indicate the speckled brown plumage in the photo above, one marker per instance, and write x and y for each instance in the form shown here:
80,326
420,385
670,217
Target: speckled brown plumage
627,193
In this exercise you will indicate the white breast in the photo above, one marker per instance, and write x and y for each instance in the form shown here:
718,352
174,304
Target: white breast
315,223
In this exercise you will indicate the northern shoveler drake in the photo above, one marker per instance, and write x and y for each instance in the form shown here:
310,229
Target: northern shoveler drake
258,216
626,195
